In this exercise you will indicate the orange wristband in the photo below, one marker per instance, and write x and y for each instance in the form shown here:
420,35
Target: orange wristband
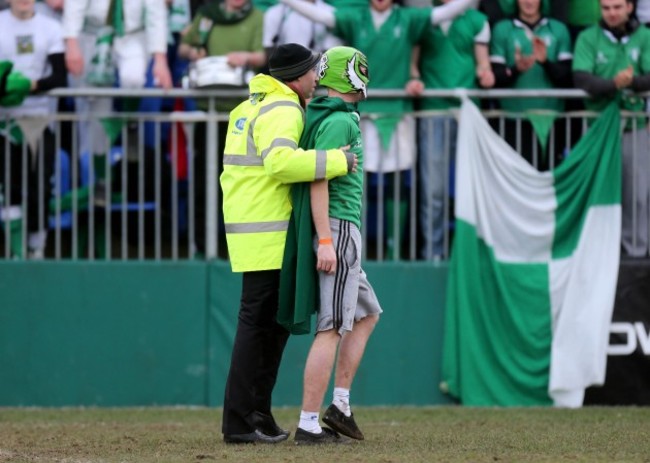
325,241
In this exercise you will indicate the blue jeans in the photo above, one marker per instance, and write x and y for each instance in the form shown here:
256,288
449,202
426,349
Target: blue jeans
436,137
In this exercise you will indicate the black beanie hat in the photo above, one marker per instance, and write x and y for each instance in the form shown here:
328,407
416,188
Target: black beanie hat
290,61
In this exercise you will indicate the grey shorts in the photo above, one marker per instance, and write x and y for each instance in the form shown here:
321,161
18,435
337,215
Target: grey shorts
346,296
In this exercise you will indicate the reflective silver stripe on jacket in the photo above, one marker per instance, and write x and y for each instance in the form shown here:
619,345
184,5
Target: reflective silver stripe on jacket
240,160
276,104
280,142
257,227
251,159
250,146
321,164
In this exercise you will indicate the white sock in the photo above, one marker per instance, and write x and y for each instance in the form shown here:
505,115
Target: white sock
342,400
309,422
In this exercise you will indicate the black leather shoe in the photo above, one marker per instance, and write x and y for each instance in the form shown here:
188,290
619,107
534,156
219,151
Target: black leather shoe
346,425
266,424
252,437
326,436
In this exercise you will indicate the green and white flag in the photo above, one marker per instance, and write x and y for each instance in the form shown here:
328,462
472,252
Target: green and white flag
533,269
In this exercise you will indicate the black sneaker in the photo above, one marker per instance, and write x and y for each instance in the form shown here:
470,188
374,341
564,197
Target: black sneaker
326,436
346,425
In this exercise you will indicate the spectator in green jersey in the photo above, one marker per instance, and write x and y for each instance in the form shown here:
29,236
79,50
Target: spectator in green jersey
532,51
610,58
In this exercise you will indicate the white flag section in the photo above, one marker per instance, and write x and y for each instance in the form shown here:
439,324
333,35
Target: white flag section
534,268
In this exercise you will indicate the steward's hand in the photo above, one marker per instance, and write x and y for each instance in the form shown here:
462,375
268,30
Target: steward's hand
353,162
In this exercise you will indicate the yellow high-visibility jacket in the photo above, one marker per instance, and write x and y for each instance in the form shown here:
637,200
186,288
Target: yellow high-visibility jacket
261,160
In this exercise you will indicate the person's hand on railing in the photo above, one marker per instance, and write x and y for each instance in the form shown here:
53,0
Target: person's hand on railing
414,87
485,77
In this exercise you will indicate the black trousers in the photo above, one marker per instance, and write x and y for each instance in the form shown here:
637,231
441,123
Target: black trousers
257,352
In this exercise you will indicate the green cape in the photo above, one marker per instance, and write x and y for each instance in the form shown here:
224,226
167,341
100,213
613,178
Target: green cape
299,296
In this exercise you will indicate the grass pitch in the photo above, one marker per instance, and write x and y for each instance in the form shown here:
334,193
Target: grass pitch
396,434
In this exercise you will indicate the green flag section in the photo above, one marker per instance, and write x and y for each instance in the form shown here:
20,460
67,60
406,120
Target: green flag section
533,269
542,124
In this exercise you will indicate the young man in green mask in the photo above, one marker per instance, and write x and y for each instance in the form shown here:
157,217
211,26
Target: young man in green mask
349,308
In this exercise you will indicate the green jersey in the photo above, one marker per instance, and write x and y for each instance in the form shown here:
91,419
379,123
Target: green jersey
389,53
599,53
335,123
447,58
512,34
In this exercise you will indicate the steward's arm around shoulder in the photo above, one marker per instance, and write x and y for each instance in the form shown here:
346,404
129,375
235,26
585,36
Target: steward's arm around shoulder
276,136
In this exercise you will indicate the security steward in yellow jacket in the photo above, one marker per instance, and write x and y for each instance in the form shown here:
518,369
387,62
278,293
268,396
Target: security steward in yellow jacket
261,160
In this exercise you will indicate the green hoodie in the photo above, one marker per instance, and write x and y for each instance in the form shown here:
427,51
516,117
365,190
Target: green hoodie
331,122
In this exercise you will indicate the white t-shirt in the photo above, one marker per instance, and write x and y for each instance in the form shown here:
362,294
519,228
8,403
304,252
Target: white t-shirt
27,44
290,27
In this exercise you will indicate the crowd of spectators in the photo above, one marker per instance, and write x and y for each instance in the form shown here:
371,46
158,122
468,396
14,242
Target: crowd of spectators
517,44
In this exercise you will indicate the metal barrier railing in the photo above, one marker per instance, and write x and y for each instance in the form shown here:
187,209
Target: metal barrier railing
151,196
